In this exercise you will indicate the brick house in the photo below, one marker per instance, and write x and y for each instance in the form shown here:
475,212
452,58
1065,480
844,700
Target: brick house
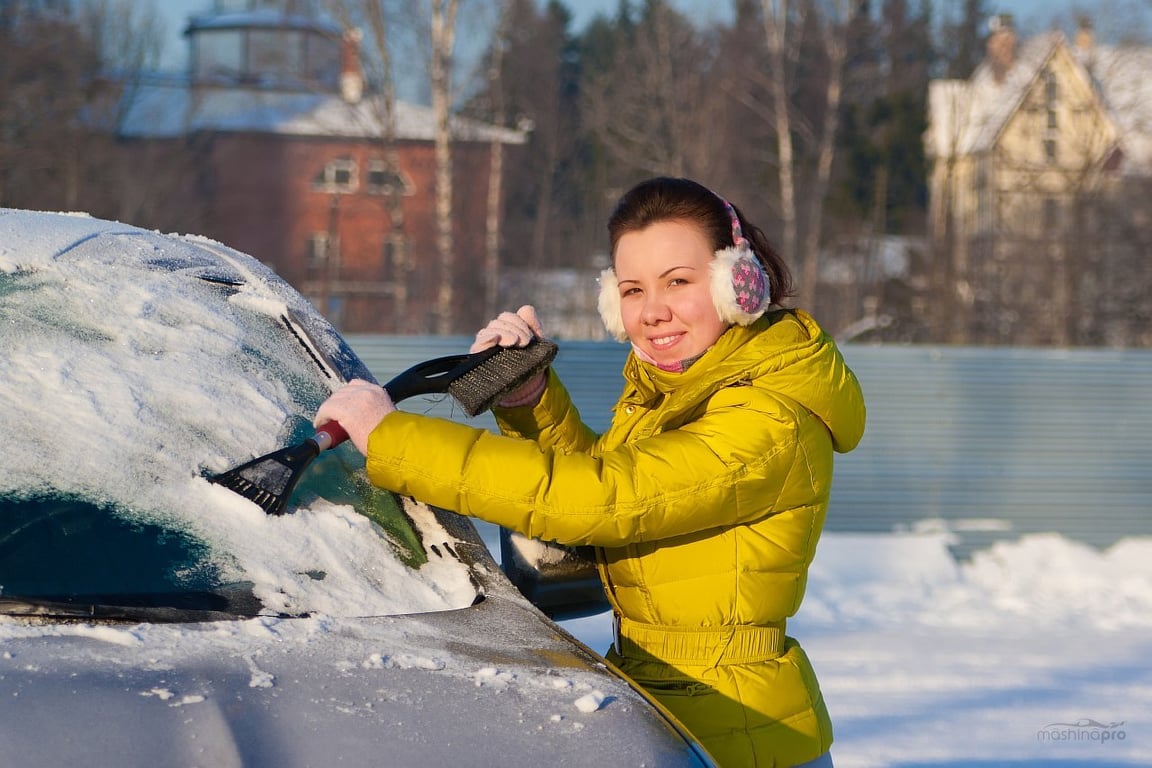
294,166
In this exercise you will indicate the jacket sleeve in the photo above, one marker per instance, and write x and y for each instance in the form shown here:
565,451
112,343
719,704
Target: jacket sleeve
749,454
554,422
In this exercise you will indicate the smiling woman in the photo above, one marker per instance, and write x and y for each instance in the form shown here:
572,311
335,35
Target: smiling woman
705,496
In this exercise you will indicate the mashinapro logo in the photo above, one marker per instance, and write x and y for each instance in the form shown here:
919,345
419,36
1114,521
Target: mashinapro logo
1083,730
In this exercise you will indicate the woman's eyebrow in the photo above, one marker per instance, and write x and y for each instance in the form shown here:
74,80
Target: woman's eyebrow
665,273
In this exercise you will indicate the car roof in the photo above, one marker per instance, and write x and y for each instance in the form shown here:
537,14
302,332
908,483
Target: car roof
138,364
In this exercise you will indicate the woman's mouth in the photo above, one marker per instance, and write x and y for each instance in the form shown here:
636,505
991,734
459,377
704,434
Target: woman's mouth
663,342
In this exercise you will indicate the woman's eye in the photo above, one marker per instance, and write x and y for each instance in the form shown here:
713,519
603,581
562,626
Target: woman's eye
629,292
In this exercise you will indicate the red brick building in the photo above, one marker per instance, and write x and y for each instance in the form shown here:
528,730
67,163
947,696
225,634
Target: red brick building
293,167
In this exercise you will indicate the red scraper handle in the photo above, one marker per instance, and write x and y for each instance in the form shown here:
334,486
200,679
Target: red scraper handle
329,435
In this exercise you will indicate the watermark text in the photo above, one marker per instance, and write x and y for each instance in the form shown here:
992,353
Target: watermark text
1084,730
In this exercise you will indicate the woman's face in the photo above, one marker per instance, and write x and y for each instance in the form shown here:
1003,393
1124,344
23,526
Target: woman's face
665,294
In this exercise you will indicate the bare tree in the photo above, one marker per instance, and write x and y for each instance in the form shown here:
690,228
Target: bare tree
494,215
443,45
532,81
66,72
375,63
651,121
431,28
781,57
833,20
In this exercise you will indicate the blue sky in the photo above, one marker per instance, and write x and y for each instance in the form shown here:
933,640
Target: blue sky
1031,15
175,13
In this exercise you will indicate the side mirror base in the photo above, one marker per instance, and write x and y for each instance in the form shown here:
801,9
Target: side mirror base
561,581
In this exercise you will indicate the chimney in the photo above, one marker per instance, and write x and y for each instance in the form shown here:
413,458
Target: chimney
351,76
1001,45
1085,39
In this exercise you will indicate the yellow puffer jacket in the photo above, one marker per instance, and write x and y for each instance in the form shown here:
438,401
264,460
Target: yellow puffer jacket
706,497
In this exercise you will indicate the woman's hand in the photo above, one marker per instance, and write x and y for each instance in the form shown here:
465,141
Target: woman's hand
509,330
514,330
359,406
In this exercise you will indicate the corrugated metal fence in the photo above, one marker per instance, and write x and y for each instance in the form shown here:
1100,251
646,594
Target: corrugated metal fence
989,443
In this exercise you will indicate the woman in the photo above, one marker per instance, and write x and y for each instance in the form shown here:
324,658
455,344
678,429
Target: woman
707,494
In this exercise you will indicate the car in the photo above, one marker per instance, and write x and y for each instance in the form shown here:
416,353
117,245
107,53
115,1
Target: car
150,616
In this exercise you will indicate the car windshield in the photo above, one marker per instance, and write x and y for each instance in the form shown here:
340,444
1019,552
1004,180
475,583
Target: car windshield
136,366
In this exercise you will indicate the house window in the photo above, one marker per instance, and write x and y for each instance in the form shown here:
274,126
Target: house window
389,256
1051,88
1051,216
319,248
983,199
274,53
218,53
339,175
393,255
1051,93
383,180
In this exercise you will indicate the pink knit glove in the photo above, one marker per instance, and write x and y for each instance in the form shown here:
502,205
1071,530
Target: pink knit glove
358,406
514,330
509,330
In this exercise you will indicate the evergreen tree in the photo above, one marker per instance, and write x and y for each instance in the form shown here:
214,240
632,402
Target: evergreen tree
963,40
885,175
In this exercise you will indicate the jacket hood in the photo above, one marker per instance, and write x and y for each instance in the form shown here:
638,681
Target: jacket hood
786,351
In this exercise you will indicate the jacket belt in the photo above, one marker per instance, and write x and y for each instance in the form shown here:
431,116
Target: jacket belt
737,644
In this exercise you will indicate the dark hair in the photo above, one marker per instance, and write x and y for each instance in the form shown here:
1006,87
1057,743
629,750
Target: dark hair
673,199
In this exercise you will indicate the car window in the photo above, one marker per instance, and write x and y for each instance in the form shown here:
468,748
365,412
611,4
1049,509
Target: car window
46,551
136,365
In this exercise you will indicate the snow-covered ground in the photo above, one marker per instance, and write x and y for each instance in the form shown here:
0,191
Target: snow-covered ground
1036,652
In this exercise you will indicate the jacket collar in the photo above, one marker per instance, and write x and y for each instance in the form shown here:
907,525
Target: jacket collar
784,349
720,366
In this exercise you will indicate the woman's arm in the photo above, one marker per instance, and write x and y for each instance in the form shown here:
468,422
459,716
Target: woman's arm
749,455
553,422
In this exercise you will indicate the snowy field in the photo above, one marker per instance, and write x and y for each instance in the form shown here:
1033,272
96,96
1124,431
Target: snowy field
1035,653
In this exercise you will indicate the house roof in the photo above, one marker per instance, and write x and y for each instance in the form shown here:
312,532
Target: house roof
170,109
967,116
266,18
1122,74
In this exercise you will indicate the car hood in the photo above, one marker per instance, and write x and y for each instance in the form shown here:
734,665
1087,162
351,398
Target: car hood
455,687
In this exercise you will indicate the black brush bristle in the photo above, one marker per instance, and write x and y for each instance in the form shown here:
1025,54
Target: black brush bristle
486,385
268,480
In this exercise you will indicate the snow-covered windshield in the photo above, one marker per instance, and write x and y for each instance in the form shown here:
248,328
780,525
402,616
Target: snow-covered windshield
135,366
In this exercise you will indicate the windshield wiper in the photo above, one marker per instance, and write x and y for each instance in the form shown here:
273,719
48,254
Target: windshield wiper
177,607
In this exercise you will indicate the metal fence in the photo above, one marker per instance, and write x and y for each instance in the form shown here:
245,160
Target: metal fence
988,443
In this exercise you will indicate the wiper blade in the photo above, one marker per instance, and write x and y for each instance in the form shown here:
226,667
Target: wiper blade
178,607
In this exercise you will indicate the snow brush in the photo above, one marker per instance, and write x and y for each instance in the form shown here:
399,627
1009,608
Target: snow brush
476,381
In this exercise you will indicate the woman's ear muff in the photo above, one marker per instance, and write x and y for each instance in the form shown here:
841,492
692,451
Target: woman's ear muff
741,290
609,305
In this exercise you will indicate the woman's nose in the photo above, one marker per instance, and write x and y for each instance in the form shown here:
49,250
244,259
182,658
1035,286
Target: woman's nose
656,309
